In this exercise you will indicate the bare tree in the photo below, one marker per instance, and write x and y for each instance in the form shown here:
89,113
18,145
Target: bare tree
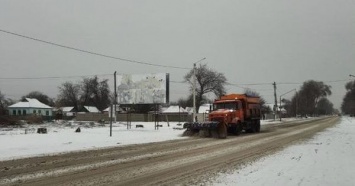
95,93
309,95
40,97
324,107
208,81
4,103
69,95
90,91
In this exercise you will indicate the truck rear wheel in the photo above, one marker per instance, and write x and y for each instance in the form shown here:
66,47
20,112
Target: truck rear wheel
257,126
238,129
252,127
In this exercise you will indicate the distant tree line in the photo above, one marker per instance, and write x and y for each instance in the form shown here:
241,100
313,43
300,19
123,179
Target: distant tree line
88,92
4,103
310,100
348,104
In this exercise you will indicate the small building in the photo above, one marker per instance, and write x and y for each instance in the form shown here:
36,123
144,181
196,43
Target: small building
68,111
90,109
30,107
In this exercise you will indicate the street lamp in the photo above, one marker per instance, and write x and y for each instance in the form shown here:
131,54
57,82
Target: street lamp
194,90
280,99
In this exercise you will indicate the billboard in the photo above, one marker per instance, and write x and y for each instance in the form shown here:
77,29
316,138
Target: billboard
143,88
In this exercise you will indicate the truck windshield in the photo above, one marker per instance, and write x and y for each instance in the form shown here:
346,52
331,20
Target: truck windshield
217,106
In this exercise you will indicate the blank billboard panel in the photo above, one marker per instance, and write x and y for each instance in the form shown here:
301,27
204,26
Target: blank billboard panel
143,88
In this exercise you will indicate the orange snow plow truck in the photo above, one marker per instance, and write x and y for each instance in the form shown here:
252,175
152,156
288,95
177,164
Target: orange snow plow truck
232,114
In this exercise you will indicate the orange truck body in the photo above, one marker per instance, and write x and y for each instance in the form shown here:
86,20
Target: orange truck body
232,113
248,107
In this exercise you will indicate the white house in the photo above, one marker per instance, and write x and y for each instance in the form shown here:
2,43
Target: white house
68,111
30,107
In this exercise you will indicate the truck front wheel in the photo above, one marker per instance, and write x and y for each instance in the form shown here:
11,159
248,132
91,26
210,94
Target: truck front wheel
222,131
238,129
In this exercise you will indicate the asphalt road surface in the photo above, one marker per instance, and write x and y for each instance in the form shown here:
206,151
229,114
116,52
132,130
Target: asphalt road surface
179,162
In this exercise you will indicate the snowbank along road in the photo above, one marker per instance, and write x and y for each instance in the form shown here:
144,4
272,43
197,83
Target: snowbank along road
184,162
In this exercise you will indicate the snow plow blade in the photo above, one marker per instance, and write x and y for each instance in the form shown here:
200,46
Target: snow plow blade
206,129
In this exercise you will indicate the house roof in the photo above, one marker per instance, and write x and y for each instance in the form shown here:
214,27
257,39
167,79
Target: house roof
67,109
118,108
91,109
30,103
173,109
189,110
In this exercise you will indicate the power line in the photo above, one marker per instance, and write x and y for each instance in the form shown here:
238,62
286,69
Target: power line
182,82
295,83
52,77
91,52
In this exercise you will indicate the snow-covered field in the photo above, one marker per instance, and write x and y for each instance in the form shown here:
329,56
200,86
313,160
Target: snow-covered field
326,159
61,137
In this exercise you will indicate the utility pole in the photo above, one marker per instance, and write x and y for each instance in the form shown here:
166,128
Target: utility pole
194,94
194,90
275,106
115,101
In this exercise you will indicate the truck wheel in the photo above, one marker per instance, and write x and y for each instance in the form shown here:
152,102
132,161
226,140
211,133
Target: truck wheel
204,133
252,128
214,133
187,133
238,129
222,131
257,126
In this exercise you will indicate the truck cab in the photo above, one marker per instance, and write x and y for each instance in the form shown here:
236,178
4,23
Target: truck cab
232,113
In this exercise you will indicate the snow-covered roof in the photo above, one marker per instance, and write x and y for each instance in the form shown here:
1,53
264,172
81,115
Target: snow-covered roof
189,110
91,109
30,103
67,109
174,109
118,108
163,109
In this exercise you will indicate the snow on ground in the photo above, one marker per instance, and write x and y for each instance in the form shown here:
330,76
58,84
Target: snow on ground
326,159
61,138
25,142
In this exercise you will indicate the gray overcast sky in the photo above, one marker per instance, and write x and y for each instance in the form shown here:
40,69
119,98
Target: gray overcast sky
250,41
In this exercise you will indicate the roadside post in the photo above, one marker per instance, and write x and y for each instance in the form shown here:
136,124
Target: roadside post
111,121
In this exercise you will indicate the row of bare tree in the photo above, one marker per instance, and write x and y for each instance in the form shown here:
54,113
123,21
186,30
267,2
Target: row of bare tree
88,92
311,99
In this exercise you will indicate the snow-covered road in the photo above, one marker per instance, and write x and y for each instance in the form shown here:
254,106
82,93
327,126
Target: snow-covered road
326,159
